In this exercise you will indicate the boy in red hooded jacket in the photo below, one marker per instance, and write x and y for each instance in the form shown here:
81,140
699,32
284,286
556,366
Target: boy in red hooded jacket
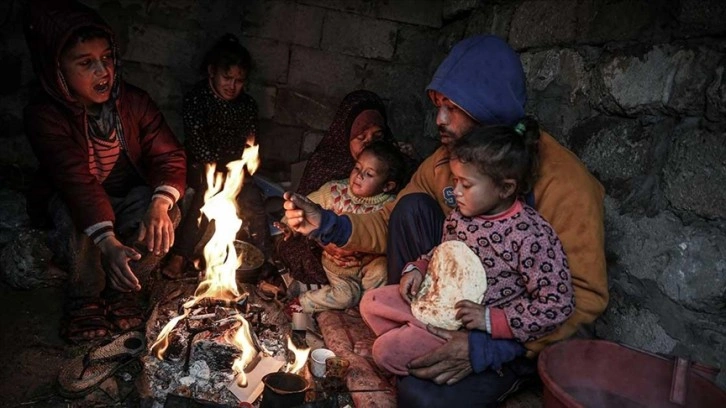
112,166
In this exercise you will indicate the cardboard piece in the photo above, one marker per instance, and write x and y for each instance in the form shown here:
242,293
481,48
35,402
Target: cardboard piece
255,385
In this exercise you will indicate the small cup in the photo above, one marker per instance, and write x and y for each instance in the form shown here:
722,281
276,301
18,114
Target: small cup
336,367
317,361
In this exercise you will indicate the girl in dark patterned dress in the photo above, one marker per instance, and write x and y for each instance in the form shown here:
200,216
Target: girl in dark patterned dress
529,291
219,119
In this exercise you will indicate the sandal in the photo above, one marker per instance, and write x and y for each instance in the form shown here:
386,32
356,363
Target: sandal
84,374
125,307
84,315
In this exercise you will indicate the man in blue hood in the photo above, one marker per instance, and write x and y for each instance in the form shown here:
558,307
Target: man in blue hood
481,82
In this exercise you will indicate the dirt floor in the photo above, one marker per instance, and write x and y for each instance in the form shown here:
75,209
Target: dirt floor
31,350
32,353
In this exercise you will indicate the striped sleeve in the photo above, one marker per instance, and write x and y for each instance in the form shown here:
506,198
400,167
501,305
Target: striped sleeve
168,193
99,231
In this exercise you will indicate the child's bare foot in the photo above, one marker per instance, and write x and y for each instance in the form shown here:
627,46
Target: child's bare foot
125,310
174,268
85,319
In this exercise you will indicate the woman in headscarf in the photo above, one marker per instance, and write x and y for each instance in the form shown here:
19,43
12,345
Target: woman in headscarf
360,120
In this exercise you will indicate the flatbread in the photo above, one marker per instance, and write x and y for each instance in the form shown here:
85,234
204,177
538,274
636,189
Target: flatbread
455,273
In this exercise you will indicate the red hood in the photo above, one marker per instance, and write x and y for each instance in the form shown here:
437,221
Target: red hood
48,24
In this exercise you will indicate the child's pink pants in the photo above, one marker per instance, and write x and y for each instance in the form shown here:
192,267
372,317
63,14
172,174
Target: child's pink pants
400,336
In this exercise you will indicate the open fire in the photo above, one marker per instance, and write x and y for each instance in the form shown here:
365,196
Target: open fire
218,289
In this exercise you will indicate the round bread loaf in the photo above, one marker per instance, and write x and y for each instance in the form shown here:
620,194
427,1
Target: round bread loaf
455,273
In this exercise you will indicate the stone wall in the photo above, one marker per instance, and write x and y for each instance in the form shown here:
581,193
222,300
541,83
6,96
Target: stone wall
635,88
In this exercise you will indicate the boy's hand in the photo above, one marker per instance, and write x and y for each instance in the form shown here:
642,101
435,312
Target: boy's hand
287,232
117,257
410,284
157,229
471,315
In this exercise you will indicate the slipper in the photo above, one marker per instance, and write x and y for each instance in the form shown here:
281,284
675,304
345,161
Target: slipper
84,374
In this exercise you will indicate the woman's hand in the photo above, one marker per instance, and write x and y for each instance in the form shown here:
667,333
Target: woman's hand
117,257
410,284
157,229
471,315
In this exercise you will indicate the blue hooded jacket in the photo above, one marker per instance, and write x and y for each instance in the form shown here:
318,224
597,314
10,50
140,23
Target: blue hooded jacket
483,76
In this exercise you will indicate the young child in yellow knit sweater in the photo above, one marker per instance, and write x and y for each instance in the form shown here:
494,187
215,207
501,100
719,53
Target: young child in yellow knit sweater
379,173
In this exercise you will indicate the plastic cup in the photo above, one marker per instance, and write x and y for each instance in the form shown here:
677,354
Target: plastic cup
317,361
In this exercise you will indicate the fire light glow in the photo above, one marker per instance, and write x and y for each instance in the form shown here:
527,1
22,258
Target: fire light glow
243,340
220,207
301,356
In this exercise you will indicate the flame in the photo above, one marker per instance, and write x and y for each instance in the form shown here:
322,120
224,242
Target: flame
162,341
242,339
301,356
220,206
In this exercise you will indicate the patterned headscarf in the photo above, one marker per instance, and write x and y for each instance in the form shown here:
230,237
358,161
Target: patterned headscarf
332,160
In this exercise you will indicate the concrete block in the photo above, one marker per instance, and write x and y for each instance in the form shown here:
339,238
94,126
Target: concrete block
324,73
270,58
154,44
414,45
311,140
406,116
159,81
279,144
265,96
403,81
449,35
304,109
366,8
543,23
285,21
427,12
358,36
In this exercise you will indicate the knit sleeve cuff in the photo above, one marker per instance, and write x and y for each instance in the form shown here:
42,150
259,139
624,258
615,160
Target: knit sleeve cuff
335,229
100,231
500,327
168,193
